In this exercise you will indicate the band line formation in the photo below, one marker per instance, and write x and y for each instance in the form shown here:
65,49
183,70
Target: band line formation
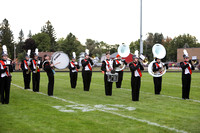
112,70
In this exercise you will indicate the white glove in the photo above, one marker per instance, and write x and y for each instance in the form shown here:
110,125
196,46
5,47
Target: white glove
76,63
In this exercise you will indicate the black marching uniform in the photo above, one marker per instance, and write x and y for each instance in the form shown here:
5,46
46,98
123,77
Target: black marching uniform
106,65
136,79
73,67
5,69
50,73
187,68
116,64
86,73
158,80
27,75
36,64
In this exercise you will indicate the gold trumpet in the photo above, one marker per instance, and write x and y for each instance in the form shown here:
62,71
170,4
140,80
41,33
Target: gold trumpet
144,59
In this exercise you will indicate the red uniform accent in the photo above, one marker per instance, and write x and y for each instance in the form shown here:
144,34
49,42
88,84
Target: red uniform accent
74,66
118,62
138,70
4,66
158,66
189,68
89,65
35,65
26,63
108,64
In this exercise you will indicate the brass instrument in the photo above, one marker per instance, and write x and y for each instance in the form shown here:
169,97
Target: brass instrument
143,59
158,51
194,60
29,70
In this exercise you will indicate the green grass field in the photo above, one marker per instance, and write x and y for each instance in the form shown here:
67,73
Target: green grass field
73,110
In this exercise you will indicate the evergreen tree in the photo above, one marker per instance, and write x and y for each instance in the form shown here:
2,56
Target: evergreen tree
19,47
48,28
29,34
6,37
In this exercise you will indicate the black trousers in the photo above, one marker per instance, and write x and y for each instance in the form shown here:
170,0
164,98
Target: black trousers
86,75
120,78
73,79
27,80
51,83
5,89
108,86
157,84
186,81
36,81
135,85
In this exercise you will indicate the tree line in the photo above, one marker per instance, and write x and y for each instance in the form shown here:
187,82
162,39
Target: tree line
46,41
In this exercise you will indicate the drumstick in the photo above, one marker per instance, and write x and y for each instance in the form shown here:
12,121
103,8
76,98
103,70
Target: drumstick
57,63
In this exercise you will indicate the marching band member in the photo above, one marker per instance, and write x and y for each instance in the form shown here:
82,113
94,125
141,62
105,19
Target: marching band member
5,77
136,68
187,68
86,71
48,68
107,67
35,67
157,68
73,67
116,64
26,70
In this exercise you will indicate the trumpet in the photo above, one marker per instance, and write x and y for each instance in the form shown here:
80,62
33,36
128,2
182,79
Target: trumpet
36,70
143,59
195,62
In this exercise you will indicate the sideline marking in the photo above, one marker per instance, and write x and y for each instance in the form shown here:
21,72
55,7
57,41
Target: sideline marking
114,113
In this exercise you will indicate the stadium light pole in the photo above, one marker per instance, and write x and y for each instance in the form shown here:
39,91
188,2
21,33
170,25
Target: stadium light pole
141,42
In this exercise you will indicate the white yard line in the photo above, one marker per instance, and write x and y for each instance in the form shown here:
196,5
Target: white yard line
114,113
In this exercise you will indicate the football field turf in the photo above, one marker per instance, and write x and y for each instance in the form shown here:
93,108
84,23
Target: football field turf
74,110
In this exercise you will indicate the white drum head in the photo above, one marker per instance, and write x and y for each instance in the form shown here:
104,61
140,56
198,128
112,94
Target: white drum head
60,60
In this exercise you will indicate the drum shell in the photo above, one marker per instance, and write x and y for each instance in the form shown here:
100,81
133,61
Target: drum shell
60,60
112,77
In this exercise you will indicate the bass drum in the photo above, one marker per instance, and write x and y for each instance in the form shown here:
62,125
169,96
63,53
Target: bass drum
60,60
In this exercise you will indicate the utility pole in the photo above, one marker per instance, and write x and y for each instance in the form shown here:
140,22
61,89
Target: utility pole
141,42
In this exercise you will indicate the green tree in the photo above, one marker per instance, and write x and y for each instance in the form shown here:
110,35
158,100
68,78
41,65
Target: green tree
92,45
20,44
6,37
48,28
113,48
30,44
42,41
29,34
70,44
180,42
